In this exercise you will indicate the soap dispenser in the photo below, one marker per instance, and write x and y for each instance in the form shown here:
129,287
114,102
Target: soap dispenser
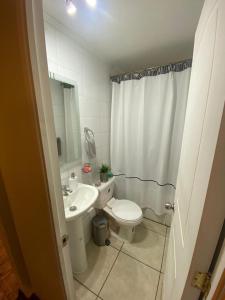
73,181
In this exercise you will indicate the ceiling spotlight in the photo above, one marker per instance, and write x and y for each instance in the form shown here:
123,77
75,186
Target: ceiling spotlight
91,3
70,7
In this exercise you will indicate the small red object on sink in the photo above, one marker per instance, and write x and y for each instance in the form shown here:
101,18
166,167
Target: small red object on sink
87,168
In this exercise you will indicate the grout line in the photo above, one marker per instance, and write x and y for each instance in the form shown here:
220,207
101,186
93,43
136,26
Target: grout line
142,225
164,248
74,278
157,222
157,286
115,247
110,269
160,274
140,261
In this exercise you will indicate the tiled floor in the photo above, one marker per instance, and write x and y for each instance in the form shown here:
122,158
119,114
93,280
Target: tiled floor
126,271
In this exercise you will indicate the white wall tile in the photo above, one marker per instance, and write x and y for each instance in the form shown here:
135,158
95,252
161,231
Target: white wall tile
68,59
53,66
71,61
51,42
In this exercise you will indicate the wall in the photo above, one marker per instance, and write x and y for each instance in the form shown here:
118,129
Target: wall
67,58
70,60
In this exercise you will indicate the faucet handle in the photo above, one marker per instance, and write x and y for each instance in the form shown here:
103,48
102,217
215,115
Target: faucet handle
66,189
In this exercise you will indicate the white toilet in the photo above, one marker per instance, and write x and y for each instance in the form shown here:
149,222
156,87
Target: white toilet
125,212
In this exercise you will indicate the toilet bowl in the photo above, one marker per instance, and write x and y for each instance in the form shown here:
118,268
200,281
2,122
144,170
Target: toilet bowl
126,213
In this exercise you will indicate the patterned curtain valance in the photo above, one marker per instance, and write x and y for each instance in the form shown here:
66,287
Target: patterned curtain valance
174,67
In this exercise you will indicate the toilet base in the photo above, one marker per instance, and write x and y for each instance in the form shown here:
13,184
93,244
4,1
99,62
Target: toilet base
122,231
127,233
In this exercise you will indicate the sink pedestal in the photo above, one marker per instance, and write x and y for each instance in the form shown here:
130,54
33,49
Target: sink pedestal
77,245
76,204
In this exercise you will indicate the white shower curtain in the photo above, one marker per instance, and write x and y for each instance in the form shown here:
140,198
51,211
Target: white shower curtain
147,122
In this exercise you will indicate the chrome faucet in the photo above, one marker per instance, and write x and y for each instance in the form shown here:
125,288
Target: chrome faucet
66,190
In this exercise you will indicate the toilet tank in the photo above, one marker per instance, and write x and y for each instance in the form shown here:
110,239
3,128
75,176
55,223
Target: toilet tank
105,193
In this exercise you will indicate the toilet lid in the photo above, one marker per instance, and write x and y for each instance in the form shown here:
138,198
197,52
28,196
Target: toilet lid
126,210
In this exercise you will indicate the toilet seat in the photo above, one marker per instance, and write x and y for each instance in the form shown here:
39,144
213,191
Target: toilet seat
125,211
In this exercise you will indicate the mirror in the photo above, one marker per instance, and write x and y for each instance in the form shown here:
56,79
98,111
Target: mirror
67,120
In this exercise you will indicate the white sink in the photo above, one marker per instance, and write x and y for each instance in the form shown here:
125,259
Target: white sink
75,205
79,201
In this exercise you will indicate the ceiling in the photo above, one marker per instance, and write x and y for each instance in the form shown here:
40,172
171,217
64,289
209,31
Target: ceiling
130,35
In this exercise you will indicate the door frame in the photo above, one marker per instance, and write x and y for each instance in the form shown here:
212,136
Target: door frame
26,218
38,56
213,215
217,268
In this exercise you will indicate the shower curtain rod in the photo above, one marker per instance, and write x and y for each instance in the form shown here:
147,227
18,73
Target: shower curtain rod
152,71
67,85
137,71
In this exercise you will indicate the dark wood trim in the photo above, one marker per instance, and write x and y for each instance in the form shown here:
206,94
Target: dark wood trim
216,255
220,290
23,172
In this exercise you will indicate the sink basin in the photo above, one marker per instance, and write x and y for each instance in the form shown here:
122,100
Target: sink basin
79,201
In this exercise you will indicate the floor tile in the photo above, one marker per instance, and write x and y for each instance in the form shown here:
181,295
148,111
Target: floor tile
168,219
130,279
159,291
147,247
148,213
153,226
168,232
100,261
82,292
116,243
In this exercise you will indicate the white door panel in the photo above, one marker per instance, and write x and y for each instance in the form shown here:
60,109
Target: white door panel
202,124
196,108
208,8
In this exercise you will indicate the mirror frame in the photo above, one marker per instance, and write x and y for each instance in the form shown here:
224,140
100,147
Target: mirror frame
55,76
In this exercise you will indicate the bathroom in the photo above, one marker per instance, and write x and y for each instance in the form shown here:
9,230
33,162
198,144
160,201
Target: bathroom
69,59
102,108
127,138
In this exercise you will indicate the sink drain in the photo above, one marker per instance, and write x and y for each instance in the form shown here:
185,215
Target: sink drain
73,208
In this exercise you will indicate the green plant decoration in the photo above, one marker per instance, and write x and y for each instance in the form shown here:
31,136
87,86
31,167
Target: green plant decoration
104,169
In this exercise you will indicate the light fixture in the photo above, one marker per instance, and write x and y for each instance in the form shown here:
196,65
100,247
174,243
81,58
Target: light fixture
70,7
91,3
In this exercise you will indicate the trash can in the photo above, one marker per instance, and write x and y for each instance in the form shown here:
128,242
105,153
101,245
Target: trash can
100,230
